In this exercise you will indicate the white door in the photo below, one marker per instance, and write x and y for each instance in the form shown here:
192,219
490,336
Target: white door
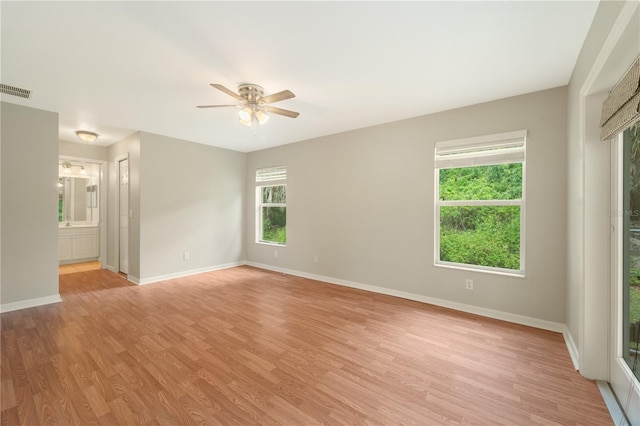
124,215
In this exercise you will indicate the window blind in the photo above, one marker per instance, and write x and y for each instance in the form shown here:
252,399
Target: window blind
271,174
622,106
481,151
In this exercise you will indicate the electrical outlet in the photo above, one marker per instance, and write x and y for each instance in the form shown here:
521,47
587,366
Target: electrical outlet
315,258
186,255
469,284
275,253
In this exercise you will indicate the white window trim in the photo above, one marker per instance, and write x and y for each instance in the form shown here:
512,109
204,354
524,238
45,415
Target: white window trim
259,206
266,177
510,155
617,255
617,251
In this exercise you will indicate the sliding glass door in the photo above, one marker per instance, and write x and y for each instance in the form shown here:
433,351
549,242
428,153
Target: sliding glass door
630,215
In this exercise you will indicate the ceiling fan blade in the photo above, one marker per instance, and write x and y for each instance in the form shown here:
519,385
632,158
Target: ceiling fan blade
227,91
277,97
281,111
214,106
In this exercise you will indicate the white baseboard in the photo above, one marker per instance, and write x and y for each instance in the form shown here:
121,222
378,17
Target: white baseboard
485,312
30,303
150,280
573,349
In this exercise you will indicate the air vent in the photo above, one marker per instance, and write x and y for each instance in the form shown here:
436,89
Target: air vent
14,91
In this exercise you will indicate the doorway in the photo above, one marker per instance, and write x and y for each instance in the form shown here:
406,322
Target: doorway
81,211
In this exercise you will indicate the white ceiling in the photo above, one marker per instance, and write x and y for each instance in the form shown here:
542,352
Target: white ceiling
119,67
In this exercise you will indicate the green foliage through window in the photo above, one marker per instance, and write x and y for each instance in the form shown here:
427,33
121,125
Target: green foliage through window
273,214
477,233
481,235
495,182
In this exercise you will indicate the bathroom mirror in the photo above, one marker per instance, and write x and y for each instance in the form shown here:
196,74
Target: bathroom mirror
77,199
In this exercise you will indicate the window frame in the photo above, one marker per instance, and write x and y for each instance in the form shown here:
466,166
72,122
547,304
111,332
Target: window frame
505,155
621,213
268,177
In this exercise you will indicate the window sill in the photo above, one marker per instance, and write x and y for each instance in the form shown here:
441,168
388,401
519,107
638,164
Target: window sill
269,243
505,273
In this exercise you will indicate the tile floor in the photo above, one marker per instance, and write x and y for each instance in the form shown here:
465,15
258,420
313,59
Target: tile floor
78,267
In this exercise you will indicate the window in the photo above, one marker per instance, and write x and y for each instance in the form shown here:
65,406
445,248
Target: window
629,214
480,196
271,202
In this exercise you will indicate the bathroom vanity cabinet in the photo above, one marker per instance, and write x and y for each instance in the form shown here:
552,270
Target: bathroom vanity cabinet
78,243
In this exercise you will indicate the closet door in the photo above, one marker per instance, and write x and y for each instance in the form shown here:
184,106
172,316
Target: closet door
123,198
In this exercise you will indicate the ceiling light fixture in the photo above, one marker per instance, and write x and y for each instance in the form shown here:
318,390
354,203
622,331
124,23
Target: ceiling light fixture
246,116
252,113
68,168
261,116
86,136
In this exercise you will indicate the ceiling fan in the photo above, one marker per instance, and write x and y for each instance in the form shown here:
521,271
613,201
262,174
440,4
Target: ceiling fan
255,107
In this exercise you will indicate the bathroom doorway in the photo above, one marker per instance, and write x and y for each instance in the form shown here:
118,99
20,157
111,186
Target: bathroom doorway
81,209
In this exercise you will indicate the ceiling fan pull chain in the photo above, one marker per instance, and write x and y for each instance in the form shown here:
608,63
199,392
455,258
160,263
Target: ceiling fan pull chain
254,122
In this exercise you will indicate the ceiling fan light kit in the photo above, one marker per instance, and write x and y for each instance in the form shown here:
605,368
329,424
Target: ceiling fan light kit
261,116
254,106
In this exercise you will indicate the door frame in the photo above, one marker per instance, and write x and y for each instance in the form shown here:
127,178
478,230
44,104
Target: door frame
103,256
116,204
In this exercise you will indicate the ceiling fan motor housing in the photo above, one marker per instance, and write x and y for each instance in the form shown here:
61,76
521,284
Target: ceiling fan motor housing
251,92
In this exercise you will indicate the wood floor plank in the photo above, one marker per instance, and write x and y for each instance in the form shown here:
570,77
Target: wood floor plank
122,412
27,412
7,394
97,402
10,417
246,346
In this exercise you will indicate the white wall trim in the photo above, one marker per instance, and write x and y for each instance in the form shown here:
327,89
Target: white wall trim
158,278
485,312
609,45
103,212
116,206
574,353
30,303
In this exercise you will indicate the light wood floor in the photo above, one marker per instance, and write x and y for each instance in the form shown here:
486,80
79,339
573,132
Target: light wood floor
244,346
78,267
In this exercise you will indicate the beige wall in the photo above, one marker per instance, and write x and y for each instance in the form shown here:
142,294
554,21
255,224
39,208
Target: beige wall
29,220
82,150
191,200
363,202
